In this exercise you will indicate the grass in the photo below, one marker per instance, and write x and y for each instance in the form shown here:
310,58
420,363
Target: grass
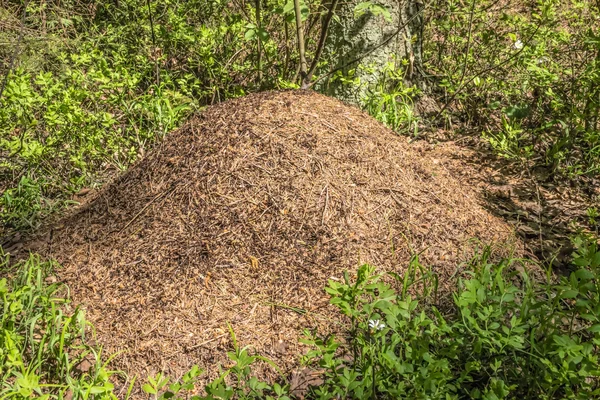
43,347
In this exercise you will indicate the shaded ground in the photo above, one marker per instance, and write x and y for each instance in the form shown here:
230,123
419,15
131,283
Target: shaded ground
545,213
241,217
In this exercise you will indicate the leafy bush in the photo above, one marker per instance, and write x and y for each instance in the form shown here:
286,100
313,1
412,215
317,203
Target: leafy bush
506,336
65,122
390,101
96,86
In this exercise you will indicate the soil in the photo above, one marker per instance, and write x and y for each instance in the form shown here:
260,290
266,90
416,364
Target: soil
240,218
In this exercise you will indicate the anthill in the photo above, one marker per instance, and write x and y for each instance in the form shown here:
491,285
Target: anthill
241,217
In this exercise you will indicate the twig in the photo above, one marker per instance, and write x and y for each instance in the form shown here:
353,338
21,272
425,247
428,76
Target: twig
471,79
326,190
298,310
259,44
540,208
464,69
207,341
320,45
153,42
300,37
163,194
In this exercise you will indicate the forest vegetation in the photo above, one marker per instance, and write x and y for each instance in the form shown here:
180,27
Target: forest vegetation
88,88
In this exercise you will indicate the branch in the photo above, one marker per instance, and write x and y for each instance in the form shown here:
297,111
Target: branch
259,44
300,35
153,43
321,44
464,69
493,67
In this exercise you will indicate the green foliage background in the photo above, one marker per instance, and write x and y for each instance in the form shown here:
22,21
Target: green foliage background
526,75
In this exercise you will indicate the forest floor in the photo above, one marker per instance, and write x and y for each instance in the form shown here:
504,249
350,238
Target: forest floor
545,213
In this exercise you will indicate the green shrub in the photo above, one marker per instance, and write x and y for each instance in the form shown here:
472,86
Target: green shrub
95,87
22,205
506,336
62,130
390,101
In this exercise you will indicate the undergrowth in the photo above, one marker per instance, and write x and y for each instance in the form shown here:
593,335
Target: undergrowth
95,87
504,335
43,348
524,75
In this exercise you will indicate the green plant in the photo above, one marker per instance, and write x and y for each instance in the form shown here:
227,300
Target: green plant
508,140
525,76
391,102
22,205
42,346
236,382
593,217
506,336
158,386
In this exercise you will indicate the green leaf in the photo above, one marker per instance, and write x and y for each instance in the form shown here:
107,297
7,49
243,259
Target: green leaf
263,35
377,10
250,34
581,262
288,9
596,259
148,389
584,274
569,294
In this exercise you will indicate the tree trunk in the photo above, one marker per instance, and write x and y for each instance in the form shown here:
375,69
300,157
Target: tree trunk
359,47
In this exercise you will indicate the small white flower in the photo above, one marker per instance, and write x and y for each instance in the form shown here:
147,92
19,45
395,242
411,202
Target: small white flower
518,45
376,324
542,60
